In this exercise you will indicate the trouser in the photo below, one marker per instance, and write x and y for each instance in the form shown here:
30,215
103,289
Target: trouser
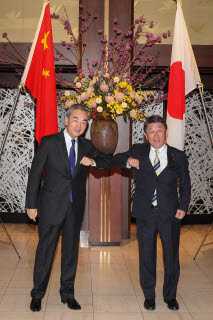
48,239
147,240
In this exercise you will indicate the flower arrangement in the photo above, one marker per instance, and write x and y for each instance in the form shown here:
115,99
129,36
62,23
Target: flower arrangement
107,98
110,87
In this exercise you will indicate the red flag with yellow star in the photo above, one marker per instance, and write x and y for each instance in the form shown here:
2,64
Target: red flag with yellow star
39,77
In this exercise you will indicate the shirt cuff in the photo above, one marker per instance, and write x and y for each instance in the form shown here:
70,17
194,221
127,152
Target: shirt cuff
128,165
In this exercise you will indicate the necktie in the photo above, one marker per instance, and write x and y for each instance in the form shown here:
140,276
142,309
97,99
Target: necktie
72,162
157,171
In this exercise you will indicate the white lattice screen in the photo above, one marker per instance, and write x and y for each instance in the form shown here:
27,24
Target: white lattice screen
19,149
200,153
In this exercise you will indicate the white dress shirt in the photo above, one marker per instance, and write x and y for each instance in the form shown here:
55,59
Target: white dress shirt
162,156
68,141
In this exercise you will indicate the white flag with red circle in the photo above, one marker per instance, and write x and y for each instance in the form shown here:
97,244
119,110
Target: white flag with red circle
184,77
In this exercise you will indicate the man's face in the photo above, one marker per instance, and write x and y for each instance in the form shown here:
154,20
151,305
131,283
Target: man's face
76,123
156,134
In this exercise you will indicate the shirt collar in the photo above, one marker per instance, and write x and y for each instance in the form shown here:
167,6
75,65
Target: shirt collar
161,150
67,136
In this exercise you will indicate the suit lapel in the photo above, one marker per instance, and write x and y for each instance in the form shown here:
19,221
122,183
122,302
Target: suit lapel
170,159
63,148
170,156
147,159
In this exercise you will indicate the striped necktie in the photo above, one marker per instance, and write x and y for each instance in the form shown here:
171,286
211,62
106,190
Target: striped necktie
72,162
157,171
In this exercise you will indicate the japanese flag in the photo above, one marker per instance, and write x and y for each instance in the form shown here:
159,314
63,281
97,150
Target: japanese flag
184,77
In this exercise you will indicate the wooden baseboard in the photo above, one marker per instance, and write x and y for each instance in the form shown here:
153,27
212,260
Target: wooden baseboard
193,219
189,218
15,217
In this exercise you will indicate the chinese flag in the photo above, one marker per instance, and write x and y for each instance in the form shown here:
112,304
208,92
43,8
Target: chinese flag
184,77
39,77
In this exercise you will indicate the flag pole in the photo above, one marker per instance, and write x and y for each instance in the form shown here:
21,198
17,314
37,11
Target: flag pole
10,121
205,113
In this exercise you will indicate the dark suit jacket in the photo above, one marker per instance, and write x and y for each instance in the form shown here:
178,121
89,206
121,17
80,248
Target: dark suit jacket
53,200
166,183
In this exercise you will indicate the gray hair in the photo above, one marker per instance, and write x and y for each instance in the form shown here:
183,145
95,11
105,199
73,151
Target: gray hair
154,119
70,110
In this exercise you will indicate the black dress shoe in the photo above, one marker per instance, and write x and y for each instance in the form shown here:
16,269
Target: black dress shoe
149,304
71,303
35,305
172,304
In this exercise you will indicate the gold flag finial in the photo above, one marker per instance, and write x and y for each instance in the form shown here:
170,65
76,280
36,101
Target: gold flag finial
201,85
22,87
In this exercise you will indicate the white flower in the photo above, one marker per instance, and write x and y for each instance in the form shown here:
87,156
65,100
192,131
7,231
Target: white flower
79,99
67,93
98,100
99,109
76,79
106,75
78,84
116,79
124,105
69,103
118,111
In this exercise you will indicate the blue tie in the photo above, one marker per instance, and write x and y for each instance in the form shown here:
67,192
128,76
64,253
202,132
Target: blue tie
72,162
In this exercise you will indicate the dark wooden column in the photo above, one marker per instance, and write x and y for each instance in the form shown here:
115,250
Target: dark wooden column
93,51
107,206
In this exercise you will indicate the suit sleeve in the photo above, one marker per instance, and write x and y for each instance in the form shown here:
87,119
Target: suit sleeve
120,159
35,175
185,184
102,160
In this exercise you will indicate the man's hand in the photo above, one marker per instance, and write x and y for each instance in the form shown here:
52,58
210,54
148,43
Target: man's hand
133,162
87,161
32,213
180,214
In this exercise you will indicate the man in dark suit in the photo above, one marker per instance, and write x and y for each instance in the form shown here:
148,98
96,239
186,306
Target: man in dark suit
65,158
157,206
